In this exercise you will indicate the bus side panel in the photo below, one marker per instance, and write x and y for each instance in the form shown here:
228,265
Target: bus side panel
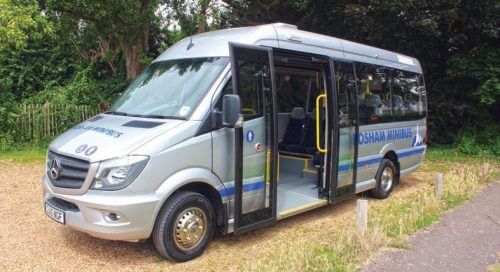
411,157
404,138
254,185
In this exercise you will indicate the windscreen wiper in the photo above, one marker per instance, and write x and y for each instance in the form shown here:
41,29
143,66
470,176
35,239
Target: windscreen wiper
117,113
156,116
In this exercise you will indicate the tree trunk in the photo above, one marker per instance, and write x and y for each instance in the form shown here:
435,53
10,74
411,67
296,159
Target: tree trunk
132,60
203,16
133,53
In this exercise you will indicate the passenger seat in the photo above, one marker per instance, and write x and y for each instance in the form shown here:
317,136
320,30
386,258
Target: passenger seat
372,105
307,145
294,129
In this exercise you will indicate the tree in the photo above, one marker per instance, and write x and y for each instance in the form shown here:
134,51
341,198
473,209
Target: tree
197,16
455,41
21,21
103,29
30,54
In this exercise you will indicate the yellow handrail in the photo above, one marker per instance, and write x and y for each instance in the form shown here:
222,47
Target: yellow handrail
318,120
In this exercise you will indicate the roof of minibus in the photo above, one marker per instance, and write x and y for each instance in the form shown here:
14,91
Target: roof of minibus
285,36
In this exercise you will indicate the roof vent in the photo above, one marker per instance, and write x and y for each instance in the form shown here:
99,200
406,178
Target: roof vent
283,25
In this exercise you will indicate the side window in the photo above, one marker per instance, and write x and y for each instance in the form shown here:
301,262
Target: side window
346,93
228,89
375,93
423,94
408,96
252,92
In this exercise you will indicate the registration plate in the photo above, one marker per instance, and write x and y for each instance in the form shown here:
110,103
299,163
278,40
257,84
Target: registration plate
55,213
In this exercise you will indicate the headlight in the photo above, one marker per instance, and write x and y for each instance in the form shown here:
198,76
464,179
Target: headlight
117,174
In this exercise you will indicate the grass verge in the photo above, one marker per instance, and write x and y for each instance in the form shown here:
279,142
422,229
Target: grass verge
390,223
24,156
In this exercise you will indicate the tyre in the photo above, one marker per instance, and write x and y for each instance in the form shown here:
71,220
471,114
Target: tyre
386,178
184,227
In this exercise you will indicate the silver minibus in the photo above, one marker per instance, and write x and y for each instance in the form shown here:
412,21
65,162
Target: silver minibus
232,130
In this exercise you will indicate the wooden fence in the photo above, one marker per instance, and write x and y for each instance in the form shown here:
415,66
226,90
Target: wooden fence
49,120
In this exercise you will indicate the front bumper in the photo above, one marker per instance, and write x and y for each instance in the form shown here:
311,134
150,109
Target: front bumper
89,212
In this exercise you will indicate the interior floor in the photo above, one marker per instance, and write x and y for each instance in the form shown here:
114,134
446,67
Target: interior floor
296,189
300,82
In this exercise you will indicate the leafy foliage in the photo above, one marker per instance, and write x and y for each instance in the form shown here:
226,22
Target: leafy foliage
456,42
8,130
21,22
85,52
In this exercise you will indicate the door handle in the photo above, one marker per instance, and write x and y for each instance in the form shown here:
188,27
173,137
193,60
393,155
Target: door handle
318,123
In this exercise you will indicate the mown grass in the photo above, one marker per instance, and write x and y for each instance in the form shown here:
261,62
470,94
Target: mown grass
450,154
28,156
390,223
494,268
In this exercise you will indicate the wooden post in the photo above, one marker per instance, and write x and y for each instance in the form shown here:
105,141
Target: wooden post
486,170
438,186
361,217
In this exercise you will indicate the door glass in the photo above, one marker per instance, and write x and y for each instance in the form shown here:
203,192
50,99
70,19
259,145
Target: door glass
253,83
346,98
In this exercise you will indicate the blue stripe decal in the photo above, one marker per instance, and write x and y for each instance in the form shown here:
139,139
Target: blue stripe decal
369,161
411,152
344,167
246,188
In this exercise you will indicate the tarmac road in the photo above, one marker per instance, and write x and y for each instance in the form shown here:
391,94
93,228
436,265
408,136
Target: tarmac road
467,239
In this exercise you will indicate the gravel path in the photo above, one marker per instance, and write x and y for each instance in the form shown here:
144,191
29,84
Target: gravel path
467,239
30,241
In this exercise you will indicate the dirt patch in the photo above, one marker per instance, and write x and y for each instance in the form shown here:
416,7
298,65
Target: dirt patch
31,241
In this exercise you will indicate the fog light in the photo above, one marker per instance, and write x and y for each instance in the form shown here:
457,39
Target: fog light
114,216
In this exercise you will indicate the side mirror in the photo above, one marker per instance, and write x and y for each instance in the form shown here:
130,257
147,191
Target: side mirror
231,109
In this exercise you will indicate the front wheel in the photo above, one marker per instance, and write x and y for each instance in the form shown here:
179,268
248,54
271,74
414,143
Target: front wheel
184,227
386,178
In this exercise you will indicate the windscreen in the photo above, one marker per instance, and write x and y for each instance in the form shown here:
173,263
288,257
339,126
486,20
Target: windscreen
169,89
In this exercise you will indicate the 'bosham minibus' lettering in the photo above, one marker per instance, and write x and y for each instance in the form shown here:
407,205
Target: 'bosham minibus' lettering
378,136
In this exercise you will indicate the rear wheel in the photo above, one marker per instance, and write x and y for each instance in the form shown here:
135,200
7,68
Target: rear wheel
386,178
184,227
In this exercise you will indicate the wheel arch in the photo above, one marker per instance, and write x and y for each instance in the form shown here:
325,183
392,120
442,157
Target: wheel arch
213,196
198,180
393,156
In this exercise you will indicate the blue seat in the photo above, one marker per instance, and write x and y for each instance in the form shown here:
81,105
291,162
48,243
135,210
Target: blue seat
307,145
293,131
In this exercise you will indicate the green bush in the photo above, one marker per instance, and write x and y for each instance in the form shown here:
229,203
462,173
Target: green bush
67,103
479,141
8,122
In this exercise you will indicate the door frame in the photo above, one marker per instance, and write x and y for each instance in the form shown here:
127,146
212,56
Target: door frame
337,194
239,217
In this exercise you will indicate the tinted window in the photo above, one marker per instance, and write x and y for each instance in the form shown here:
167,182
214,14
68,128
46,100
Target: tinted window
228,89
375,93
252,77
423,94
345,83
408,99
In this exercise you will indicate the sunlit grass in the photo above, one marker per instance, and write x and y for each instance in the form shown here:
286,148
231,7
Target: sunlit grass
450,154
24,156
390,223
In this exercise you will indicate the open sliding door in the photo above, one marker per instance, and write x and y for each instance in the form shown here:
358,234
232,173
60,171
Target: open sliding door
252,72
346,131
